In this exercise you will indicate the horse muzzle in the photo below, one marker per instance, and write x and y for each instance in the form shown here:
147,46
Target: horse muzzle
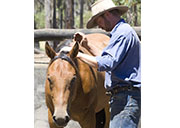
61,121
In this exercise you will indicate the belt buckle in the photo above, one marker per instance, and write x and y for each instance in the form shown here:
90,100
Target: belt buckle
108,93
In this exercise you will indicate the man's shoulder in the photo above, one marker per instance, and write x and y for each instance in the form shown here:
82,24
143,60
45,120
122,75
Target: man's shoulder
124,28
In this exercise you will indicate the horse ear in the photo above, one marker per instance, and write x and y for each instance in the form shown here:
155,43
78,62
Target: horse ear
74,51
78,36
49,51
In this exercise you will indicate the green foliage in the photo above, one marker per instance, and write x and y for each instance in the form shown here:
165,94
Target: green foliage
86,17
126,2
39,15
39,18
130,16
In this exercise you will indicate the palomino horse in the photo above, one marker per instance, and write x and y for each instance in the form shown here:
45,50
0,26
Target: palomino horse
74,90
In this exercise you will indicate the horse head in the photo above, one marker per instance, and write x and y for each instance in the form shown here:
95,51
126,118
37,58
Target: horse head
61,83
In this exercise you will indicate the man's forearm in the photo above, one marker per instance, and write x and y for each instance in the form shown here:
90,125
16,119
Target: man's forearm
90,60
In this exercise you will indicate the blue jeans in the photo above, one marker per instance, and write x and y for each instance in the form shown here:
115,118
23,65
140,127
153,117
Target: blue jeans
125,108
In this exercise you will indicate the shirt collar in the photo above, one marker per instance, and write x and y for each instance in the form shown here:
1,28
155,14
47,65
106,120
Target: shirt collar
116,26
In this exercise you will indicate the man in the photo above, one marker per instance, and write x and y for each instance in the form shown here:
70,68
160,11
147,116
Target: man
121,62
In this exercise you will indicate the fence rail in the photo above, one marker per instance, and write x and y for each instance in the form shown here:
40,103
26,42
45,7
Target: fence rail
60,34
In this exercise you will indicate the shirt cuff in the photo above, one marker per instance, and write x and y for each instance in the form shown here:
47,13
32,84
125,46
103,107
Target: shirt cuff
98,58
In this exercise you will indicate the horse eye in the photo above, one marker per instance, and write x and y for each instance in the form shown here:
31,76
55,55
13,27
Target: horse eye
73,80
50,83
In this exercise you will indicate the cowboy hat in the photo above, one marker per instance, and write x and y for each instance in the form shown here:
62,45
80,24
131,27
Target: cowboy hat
100,7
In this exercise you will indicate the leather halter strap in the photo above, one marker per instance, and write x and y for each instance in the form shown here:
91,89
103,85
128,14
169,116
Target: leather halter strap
63,56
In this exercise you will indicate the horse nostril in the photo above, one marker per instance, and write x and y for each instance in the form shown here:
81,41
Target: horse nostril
54,118
67,119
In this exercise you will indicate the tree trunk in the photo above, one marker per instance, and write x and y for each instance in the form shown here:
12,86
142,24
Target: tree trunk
55,43
60,5
69,14
130,16
135,15
36,43
81,13
54,14
50,17
48,13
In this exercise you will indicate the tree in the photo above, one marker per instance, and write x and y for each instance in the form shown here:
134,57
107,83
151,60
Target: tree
75,13
133,14
48,13
60,6
81,12
50,17
69,14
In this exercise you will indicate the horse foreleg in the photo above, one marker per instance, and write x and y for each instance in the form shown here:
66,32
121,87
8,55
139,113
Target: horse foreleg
107,113
89,120
51,122
100,119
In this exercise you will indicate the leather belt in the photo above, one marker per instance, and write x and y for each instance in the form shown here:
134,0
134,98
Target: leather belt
118,89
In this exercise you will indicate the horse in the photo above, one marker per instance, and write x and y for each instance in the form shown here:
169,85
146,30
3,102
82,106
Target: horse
74,90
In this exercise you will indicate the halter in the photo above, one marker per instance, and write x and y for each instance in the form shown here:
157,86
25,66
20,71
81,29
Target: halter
63,56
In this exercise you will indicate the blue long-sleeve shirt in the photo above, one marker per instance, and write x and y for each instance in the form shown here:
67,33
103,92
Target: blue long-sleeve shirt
121,58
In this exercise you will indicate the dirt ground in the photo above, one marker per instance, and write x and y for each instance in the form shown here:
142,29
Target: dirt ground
40,109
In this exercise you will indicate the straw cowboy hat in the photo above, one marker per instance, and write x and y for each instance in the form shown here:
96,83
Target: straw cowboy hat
100,7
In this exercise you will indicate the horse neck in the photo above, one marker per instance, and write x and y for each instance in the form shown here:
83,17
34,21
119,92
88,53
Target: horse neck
84,50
